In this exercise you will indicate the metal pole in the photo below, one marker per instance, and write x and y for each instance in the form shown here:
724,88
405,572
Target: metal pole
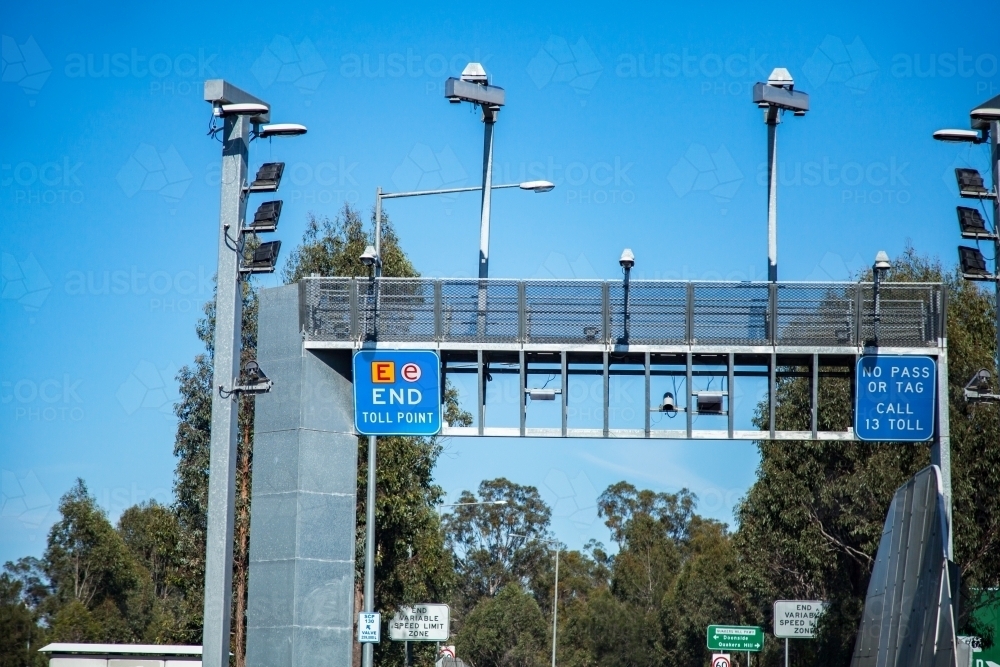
378,232
995,167
786,652
555,609
408,655
368,651
772,119
489,120
876,273
225,413
627,275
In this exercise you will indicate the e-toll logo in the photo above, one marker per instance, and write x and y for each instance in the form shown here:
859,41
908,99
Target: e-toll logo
397,392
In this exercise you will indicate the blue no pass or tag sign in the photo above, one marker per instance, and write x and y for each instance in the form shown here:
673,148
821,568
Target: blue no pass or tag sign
895,398
397,392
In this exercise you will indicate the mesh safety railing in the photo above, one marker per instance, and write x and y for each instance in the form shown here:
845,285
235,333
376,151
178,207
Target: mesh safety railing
571,312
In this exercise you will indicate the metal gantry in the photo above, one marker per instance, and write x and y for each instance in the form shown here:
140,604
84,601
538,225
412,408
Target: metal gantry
684,336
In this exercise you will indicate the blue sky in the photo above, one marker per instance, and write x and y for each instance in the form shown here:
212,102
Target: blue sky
641,116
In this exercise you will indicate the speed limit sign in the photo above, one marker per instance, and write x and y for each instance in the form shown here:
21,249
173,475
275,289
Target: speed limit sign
720,660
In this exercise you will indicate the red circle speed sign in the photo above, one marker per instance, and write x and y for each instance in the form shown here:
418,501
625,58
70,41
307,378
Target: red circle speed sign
410,372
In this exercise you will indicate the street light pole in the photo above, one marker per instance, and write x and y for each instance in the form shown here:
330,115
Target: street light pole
489,121
995,168
555,608
226,360
776,96
771,117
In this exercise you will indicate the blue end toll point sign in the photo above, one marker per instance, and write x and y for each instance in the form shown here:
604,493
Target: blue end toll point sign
397,392
895,398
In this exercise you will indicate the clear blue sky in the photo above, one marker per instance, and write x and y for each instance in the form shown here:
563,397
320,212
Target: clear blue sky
641,116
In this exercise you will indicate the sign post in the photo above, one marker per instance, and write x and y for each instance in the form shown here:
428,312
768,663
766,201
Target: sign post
796,619
736,638
895,398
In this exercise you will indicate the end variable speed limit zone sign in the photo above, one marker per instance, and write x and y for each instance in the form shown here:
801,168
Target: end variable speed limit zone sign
735,638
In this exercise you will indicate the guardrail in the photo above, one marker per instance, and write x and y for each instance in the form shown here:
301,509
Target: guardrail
582,312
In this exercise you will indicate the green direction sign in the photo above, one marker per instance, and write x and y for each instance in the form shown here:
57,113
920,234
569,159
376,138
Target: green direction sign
735,638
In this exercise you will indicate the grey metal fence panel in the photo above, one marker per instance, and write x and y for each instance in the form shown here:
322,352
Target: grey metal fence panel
567,312
815,314
731,314
326,314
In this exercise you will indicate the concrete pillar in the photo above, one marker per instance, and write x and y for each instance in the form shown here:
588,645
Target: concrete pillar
302,531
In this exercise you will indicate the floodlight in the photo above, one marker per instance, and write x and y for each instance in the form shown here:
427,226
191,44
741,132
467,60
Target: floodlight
266,217
253,380
627,260
882,261
268,177
244,109
281,130
970,184
973,264
987,111
972,224
368,257
542,394
265,257
709,402
959,136
537,186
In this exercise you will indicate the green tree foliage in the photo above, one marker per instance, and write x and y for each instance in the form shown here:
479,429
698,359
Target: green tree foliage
810,525
507,630
20,634
496,544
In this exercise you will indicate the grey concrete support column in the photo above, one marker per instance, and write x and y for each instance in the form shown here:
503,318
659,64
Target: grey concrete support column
301,597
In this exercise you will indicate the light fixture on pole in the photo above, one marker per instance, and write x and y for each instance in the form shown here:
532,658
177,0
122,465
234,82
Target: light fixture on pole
776,96
984,120
239,112
626,261
555,593
473,87
879,269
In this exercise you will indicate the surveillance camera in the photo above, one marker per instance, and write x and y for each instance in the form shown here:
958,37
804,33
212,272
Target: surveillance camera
627,260
368,257
668,403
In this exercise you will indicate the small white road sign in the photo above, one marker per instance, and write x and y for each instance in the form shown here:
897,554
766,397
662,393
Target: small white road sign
796,619
421,623
369,627
721,660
